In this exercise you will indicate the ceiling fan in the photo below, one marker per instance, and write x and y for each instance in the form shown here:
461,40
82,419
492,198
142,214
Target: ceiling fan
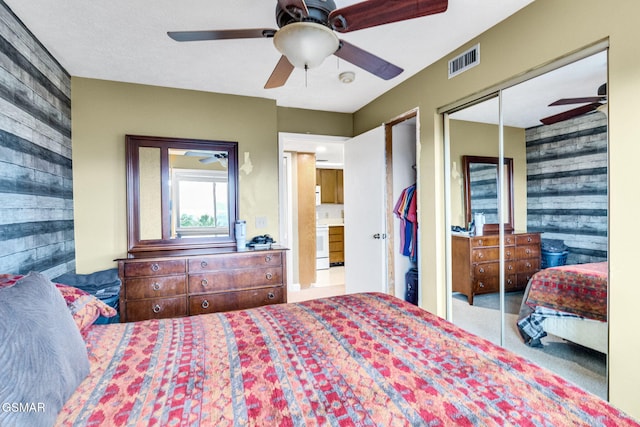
592,103
209,156
306,34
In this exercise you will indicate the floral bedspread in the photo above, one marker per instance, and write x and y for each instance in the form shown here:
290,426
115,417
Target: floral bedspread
353,360
579,289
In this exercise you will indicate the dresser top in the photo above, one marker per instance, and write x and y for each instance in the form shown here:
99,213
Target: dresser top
196,252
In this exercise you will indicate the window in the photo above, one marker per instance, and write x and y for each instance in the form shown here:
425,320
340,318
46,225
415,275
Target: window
201,203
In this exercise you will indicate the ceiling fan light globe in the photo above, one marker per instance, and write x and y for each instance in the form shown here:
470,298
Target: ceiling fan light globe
306,44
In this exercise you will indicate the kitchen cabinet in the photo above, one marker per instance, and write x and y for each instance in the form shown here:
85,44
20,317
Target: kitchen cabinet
331,185
336,245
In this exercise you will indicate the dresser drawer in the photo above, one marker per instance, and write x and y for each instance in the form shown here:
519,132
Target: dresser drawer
213,303
523,279
481,241
155,287
492,269
234,261
531,265
528,251
154,268
235,279
492,254
486,284
156,308
490,284
525,239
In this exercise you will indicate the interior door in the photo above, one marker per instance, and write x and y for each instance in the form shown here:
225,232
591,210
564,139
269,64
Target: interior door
364,213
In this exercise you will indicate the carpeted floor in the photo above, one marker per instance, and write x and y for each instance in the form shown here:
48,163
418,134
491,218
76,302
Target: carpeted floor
580,365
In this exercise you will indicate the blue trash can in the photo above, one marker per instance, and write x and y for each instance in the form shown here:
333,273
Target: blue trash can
553,259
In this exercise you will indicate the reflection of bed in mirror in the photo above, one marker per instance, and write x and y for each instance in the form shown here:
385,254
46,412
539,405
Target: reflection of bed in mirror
569,302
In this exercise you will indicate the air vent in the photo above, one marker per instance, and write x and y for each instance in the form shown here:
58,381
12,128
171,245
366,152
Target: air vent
463,62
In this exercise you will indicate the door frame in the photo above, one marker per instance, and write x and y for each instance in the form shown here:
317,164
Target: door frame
390,200
287,233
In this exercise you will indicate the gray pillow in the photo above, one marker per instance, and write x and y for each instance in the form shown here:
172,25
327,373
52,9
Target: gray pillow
43,357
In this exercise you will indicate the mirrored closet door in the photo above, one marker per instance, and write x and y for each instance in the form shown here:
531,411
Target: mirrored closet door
528,209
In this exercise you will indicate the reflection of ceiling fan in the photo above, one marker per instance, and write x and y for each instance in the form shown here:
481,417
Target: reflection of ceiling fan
592,103
209,156
306,35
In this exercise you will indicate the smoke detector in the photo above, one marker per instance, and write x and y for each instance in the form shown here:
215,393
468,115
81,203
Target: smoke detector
347,77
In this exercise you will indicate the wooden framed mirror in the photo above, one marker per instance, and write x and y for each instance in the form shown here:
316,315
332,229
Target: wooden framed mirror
181,193
481,191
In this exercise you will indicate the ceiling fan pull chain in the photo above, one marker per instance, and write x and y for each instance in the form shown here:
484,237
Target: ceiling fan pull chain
306,71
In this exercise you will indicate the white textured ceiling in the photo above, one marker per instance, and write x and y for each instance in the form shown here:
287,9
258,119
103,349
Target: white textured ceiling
126,41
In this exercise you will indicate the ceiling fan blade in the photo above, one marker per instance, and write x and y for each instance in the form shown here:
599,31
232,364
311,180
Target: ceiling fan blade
378,12
367,61
250,33
569,114
584,100
280,74
296,8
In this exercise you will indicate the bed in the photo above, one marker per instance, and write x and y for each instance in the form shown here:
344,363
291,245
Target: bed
352,360
569,302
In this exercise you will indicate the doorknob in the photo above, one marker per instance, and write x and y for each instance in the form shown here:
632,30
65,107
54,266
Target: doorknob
379,236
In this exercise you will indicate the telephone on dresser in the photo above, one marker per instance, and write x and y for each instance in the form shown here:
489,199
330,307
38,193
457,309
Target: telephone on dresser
261,242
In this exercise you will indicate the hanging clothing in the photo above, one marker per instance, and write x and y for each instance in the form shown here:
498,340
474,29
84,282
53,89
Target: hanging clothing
406,210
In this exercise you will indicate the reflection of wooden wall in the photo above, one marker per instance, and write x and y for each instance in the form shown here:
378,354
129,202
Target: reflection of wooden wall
306,218
567,185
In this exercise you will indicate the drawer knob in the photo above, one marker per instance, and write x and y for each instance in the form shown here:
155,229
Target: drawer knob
480,242
271,295
205,304
528,251
528,265
510,267
480,284
155,286
267,258
481,270
480,255
509,282
203,264
269,276
508,253
204,282
157,308
529,239
155,267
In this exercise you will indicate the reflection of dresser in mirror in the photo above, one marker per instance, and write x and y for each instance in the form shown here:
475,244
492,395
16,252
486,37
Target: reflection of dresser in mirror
476,262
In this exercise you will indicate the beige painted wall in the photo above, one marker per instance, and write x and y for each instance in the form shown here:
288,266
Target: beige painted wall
478,139
539,34
104,112
298,120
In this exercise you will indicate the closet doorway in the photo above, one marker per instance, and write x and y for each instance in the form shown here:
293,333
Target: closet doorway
555,197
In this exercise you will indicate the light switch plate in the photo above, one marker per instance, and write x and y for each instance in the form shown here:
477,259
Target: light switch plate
261,222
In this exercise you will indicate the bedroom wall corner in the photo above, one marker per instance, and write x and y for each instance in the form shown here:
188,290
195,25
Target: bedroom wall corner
36,197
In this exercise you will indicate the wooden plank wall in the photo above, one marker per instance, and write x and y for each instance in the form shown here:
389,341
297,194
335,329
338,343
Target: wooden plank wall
567,185
36,192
